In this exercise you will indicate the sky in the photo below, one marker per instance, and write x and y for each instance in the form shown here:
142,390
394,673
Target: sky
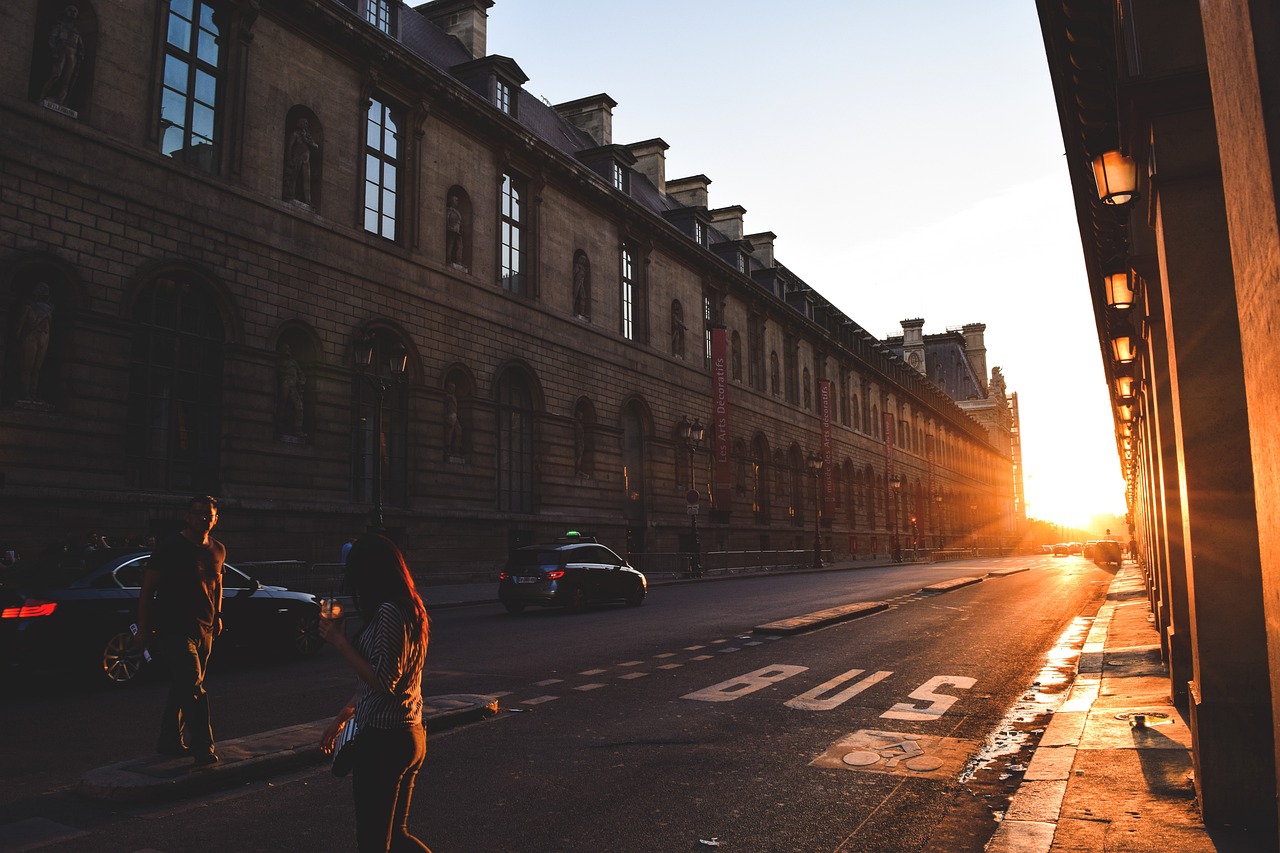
907,155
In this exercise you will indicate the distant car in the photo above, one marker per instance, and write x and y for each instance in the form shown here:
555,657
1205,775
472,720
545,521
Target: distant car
1107,551
1075,547
1062,549
572,572
1087,551
80,616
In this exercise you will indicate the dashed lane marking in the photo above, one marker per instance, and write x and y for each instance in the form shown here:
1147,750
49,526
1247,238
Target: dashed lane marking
549,682
593,686
590,672
538,700
630,675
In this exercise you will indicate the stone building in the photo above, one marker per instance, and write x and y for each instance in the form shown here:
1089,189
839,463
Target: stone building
328,260
1170,116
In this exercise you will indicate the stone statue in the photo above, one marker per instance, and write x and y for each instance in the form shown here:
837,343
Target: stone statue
453,237
291,381
297,167
581,299
34,327
452,423
66,50
997,383
677,330
579,445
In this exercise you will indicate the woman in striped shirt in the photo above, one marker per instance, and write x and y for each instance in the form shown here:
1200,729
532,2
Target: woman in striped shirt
387,656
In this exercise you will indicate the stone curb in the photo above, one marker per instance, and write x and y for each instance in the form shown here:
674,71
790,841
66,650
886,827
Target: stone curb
156,778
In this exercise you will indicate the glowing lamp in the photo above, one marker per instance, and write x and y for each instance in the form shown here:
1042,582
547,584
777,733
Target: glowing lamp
1116,176
1119,290
1122,349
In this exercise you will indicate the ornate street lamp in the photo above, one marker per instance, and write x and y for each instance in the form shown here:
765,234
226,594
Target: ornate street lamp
690,433
815,467
397,358
1119,288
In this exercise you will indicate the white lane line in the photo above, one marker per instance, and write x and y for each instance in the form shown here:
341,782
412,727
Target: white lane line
670,666
548,682
538,700
702,657
634,675
693,648
593,686
592,672
666,655
632,663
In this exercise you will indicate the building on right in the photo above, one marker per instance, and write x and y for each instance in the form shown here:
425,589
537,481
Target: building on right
1170,115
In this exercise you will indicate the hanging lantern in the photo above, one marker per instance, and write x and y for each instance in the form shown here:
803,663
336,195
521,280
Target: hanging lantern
1119,290
1116,176
1122,349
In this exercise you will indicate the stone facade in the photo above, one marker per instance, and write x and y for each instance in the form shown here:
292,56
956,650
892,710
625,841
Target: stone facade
229,207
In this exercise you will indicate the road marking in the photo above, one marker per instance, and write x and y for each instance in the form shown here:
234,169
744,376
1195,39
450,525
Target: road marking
693,648
548,682
633,675
594,686
703,657
632,663
735,688
719,641
671,666
728,649
811,702
896,753
539,700
939,702
666,655
592,672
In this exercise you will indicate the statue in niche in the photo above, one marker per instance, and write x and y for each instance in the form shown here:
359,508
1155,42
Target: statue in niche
581,301
34,326
291,381
297,167
677,330
453,237
579,445
452,422
66,51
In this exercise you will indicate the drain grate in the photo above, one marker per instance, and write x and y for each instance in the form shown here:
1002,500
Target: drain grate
1152,718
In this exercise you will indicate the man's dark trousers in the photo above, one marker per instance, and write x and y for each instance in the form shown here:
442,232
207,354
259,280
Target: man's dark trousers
186,712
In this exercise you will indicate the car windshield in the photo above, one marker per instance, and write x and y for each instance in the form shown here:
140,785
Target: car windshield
534,559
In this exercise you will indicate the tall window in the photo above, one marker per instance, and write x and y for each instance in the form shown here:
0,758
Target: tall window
190,100
706,330
381,439
628,295
175,387
619,177
381,170
502,96
378,13
515,444
512,228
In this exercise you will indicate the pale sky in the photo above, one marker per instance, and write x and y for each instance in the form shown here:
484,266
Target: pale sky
907,155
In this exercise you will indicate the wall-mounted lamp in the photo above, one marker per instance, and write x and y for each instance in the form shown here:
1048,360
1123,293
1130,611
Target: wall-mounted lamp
1119,290
1125,386
1116,176
1122,349
1125,411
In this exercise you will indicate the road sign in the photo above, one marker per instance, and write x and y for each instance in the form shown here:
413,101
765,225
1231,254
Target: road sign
692,509
692,497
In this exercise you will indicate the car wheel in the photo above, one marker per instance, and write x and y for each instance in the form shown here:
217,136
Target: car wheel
515,608
577,600
304,640
636,597
121,662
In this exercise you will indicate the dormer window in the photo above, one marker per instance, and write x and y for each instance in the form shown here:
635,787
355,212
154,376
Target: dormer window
378,13
699,233
502,96
741,263
619,177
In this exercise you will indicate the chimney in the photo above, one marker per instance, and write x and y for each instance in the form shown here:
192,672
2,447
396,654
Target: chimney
762,247
975,349
593,115
465,20
913,344
651,161
689,192
728,220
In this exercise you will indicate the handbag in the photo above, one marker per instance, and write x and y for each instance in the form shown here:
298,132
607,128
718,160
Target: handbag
344,748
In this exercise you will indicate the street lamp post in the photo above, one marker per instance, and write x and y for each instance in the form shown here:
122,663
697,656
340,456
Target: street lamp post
815,468
397,358
691,433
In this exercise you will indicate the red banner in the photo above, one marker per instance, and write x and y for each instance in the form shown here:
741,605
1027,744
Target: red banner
722,488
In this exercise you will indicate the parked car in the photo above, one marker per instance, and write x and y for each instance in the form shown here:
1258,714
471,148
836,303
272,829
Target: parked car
81,615
1087,551
571,572
1107,551
1062,549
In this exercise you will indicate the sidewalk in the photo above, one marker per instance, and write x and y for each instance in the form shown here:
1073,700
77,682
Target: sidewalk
1113,771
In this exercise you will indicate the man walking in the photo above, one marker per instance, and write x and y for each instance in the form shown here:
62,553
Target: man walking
181,601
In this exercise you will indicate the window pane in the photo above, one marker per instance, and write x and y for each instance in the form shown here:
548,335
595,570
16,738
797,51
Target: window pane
371,220
175,74
202,123
388,202
371,194
179,32
207,48
173,109
206,88
388,227
389,176
373,138
172,141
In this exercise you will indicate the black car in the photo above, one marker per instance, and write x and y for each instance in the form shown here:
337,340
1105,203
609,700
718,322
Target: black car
571,572
82,615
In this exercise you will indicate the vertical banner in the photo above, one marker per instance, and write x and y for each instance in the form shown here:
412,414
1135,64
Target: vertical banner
828,458
722,477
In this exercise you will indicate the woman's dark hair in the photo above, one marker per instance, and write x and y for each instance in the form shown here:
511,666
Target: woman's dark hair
377,573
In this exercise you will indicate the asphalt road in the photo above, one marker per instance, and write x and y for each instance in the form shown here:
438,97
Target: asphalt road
648,729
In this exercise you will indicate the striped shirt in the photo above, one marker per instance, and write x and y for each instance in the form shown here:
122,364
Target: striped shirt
396,653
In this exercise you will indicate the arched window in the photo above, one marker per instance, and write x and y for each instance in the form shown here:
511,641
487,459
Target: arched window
175,386
515,443
381,438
